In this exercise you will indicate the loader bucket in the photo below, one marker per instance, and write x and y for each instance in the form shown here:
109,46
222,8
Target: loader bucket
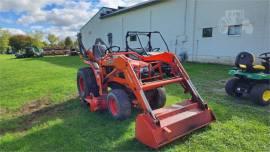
174,122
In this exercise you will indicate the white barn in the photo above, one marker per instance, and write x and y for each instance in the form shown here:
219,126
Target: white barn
208,30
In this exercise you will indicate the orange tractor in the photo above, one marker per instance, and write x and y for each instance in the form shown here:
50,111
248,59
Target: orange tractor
118,80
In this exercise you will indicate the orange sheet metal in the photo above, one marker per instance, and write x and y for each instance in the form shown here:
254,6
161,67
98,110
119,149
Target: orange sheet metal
174,122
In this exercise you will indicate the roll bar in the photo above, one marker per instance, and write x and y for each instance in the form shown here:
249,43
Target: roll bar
148,34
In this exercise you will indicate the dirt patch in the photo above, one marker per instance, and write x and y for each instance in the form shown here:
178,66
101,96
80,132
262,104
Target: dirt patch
3,111
35,105
36,116
27,108
32,106
35,113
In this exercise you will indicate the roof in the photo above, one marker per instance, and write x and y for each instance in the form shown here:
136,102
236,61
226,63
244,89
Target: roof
121,10
137,6
102,8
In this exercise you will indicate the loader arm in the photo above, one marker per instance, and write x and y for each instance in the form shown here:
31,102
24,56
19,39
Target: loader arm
185,81
123,64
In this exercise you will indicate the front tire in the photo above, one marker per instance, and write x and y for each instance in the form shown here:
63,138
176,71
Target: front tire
119,104
231,87
156,98
260,94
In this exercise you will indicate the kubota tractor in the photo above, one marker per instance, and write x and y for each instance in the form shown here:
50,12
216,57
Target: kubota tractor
118,80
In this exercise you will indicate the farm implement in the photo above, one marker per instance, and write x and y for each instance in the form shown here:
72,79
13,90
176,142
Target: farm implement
117,80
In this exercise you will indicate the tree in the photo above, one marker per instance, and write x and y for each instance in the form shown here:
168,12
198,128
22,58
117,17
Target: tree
75,44
45,44
4,40
53,39
37,39
68,42
61,44
18,42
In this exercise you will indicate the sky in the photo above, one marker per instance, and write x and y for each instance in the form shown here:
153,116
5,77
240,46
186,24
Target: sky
60,17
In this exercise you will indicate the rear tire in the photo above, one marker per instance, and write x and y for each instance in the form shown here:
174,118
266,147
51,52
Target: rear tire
231,87
119,104
156,98
86,83
260,94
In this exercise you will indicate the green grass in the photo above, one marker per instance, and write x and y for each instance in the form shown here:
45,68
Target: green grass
40,111
28,80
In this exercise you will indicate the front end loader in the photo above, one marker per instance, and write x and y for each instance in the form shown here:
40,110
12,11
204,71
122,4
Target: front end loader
118,80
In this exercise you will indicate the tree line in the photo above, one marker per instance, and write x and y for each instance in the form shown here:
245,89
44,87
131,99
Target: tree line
13,43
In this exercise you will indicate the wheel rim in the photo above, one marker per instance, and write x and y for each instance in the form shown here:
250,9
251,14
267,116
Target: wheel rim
266,96
113,106
81,83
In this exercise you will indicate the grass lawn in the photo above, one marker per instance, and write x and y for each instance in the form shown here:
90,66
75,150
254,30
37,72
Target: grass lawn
40,111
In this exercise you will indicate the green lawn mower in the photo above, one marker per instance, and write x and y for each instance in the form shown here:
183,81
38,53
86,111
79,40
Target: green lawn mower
29,52
250,79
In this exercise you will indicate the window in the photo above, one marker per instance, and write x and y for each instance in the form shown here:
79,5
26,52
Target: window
234,30
207,32
133,38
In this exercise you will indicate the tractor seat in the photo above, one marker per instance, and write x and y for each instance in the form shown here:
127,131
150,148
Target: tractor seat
255,67
245,61
99,51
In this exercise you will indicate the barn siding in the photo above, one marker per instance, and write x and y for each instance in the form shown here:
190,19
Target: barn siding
181,22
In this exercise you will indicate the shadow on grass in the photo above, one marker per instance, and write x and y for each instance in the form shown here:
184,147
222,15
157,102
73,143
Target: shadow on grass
69,126
27,121
66,126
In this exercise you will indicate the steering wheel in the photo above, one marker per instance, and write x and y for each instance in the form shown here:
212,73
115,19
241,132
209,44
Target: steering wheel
265,56
155,50
110,49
